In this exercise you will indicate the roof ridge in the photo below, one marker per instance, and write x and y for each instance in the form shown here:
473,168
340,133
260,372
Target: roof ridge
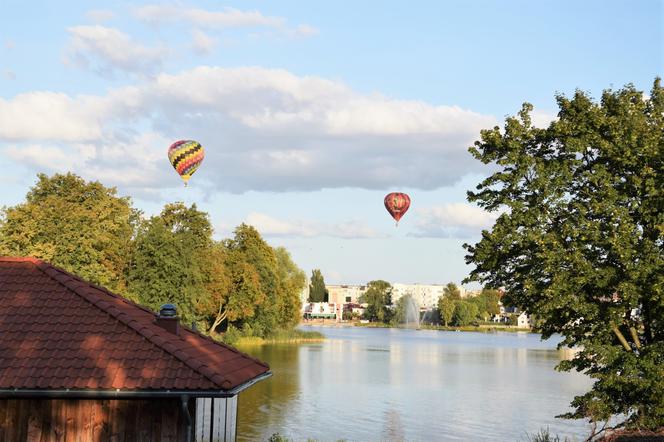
72,283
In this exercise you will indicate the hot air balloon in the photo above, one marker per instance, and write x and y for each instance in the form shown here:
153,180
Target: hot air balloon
397,204
186,156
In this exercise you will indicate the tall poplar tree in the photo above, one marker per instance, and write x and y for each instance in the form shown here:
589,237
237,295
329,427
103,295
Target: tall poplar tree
317,290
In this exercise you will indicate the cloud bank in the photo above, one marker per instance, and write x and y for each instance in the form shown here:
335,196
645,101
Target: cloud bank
263,129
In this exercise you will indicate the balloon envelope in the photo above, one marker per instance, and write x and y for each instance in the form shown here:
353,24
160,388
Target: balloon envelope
185,157
397,204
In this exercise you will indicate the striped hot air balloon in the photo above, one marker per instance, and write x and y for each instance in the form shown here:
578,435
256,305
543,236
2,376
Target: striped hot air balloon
186,156
397,204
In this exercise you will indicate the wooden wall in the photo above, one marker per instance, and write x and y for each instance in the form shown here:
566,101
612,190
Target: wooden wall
70,420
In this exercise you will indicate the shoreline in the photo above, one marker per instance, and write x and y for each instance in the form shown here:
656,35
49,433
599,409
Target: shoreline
477,329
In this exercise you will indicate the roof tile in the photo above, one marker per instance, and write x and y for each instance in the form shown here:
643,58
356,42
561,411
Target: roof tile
58,331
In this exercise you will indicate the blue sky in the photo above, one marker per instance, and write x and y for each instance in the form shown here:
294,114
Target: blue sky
310,112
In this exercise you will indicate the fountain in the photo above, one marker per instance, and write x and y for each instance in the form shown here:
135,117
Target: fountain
412,314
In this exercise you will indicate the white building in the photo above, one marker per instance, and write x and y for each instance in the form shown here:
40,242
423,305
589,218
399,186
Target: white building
523,321
324,310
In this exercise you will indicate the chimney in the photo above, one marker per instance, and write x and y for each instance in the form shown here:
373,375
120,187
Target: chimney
168,319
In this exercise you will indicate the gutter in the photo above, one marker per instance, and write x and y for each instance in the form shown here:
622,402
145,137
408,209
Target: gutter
69,393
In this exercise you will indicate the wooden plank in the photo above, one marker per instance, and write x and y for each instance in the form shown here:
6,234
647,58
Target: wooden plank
203,419
219,420
231,418
36,420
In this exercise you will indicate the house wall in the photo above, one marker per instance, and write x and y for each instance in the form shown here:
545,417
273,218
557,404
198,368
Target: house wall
46,420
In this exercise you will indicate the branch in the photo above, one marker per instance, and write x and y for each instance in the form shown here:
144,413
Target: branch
635,338
621,338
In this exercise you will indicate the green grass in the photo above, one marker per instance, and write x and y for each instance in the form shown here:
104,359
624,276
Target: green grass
237,337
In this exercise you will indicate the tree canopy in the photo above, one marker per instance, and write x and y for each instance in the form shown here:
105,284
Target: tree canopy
378,296
579,241
83,227
172,257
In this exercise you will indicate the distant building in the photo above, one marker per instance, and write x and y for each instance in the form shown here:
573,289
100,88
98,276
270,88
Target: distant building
320,310
345,294
523,321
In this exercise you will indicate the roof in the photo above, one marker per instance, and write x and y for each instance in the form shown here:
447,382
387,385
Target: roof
59,332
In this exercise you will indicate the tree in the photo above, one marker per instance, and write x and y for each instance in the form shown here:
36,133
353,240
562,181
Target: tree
378,296
487,302
446,309
80,226
317,290
291,282
172,260
259,255
452,292
464,313
579,241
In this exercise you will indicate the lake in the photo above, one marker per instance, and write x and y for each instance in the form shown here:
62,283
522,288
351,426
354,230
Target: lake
373,384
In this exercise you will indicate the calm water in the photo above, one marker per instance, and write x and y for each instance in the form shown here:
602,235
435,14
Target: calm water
416,385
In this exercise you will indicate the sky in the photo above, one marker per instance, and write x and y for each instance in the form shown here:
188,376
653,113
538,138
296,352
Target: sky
309,112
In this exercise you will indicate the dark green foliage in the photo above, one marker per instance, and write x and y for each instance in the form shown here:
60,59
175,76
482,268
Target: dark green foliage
580,242
378,296
317,290
80,226
487,303
170,263
464,313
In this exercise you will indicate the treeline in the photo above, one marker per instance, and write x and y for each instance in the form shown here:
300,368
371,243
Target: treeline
87,229
453,310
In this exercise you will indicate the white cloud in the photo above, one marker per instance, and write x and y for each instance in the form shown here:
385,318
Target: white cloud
224,19
270,226
49,116
455,220
107,50
541,118
100,15
51,158
263,130
202,43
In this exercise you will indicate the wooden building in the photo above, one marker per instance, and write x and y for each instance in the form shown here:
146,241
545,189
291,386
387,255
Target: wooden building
79,363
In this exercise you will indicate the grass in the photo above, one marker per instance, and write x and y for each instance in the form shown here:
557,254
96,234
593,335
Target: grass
278,337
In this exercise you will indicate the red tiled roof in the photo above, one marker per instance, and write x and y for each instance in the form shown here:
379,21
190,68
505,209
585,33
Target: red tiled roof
60,332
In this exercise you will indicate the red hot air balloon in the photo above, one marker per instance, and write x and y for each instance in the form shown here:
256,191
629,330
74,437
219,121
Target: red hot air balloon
397,204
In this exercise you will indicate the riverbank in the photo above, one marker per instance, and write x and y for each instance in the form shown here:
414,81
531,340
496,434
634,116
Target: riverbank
281,337
482,328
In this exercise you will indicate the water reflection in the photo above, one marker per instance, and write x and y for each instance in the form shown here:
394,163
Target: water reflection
387,384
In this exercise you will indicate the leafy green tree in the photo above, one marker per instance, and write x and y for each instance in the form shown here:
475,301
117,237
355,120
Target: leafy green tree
232,289
80,226
446,309
378,296
317,290
291,282
580,241
464,313
171,260
452,292
257,253
487,303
